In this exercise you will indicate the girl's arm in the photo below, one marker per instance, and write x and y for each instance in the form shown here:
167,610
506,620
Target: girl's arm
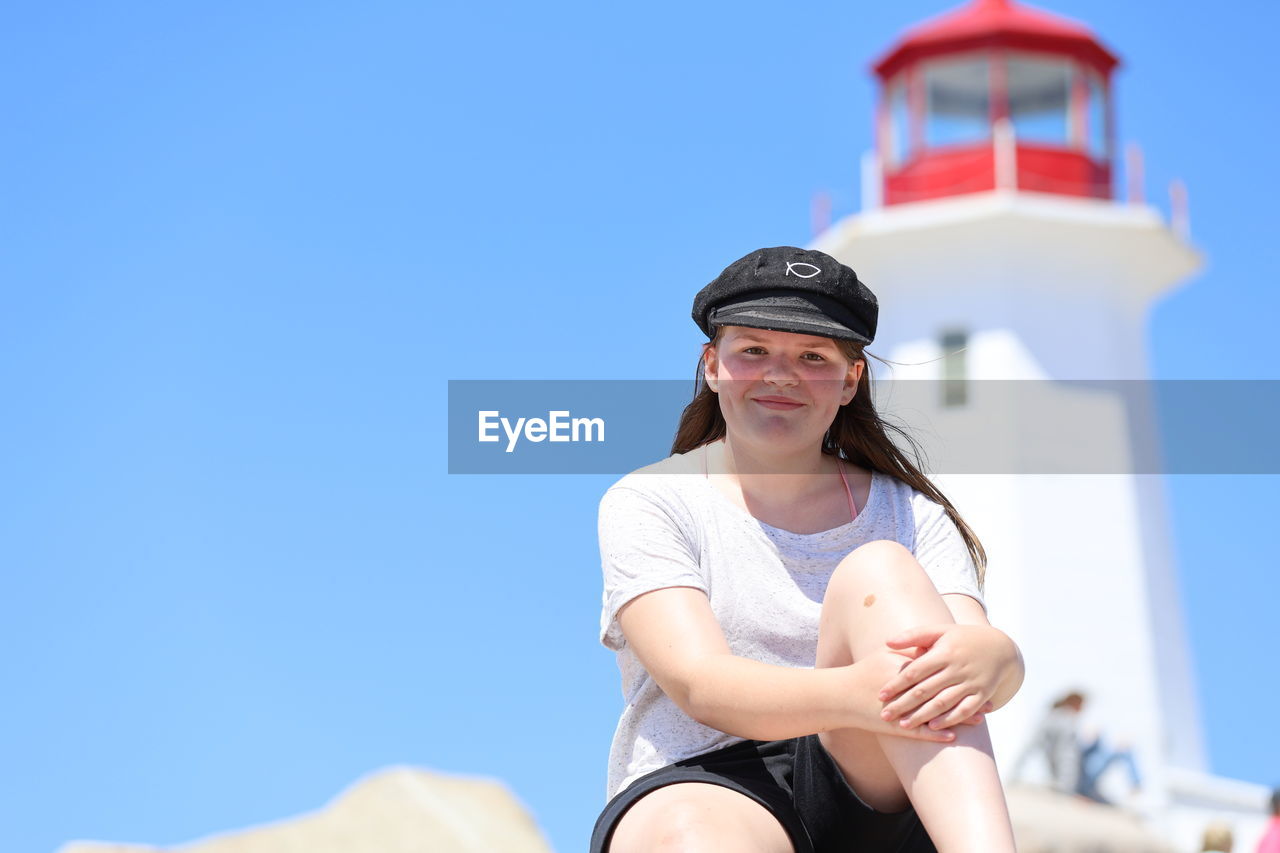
674,633
962,665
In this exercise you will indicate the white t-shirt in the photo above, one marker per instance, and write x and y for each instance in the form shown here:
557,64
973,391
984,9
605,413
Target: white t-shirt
666,525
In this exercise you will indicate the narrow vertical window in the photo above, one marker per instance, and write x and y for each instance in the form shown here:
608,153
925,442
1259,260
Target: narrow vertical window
954,370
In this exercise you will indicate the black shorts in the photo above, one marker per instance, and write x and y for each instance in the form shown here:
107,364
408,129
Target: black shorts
795,779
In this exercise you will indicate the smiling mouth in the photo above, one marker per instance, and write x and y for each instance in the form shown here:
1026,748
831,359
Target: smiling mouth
778,404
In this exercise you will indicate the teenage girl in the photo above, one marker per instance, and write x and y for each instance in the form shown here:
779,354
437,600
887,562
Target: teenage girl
796,610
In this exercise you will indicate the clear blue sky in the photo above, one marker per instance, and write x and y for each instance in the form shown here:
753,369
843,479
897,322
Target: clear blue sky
246,245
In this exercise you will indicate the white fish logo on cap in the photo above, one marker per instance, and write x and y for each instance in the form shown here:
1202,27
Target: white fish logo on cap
791,269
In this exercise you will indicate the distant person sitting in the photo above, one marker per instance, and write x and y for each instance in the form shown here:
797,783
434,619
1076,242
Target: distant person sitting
1270,842
1056,739
1217,838
1074,766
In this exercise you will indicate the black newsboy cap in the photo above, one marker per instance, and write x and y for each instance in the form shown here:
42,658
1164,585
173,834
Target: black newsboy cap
789,290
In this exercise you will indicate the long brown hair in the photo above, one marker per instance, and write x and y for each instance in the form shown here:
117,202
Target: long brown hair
857,434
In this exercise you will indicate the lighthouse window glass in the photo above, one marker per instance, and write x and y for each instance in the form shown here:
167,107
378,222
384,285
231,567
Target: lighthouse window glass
957,101
1039,93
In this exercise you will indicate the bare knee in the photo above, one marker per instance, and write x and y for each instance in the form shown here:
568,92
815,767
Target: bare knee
697,817
691,828
679,828
875,567
878,590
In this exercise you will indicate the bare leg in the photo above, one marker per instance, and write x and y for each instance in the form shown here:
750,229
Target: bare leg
698,816
877,591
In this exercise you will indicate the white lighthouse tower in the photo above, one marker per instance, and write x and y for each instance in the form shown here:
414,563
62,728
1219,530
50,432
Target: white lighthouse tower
992,237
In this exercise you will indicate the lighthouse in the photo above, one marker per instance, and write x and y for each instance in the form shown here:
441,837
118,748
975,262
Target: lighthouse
1004,258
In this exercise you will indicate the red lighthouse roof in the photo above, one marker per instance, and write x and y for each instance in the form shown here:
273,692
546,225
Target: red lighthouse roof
996,22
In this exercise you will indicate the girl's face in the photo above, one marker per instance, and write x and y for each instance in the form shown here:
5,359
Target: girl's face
779,390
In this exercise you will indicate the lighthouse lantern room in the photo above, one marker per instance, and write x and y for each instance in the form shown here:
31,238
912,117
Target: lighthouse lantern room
995,95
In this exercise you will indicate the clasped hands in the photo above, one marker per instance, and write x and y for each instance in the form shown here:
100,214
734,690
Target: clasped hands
953,673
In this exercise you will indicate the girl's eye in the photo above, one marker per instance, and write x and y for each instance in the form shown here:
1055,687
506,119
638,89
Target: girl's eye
817,356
